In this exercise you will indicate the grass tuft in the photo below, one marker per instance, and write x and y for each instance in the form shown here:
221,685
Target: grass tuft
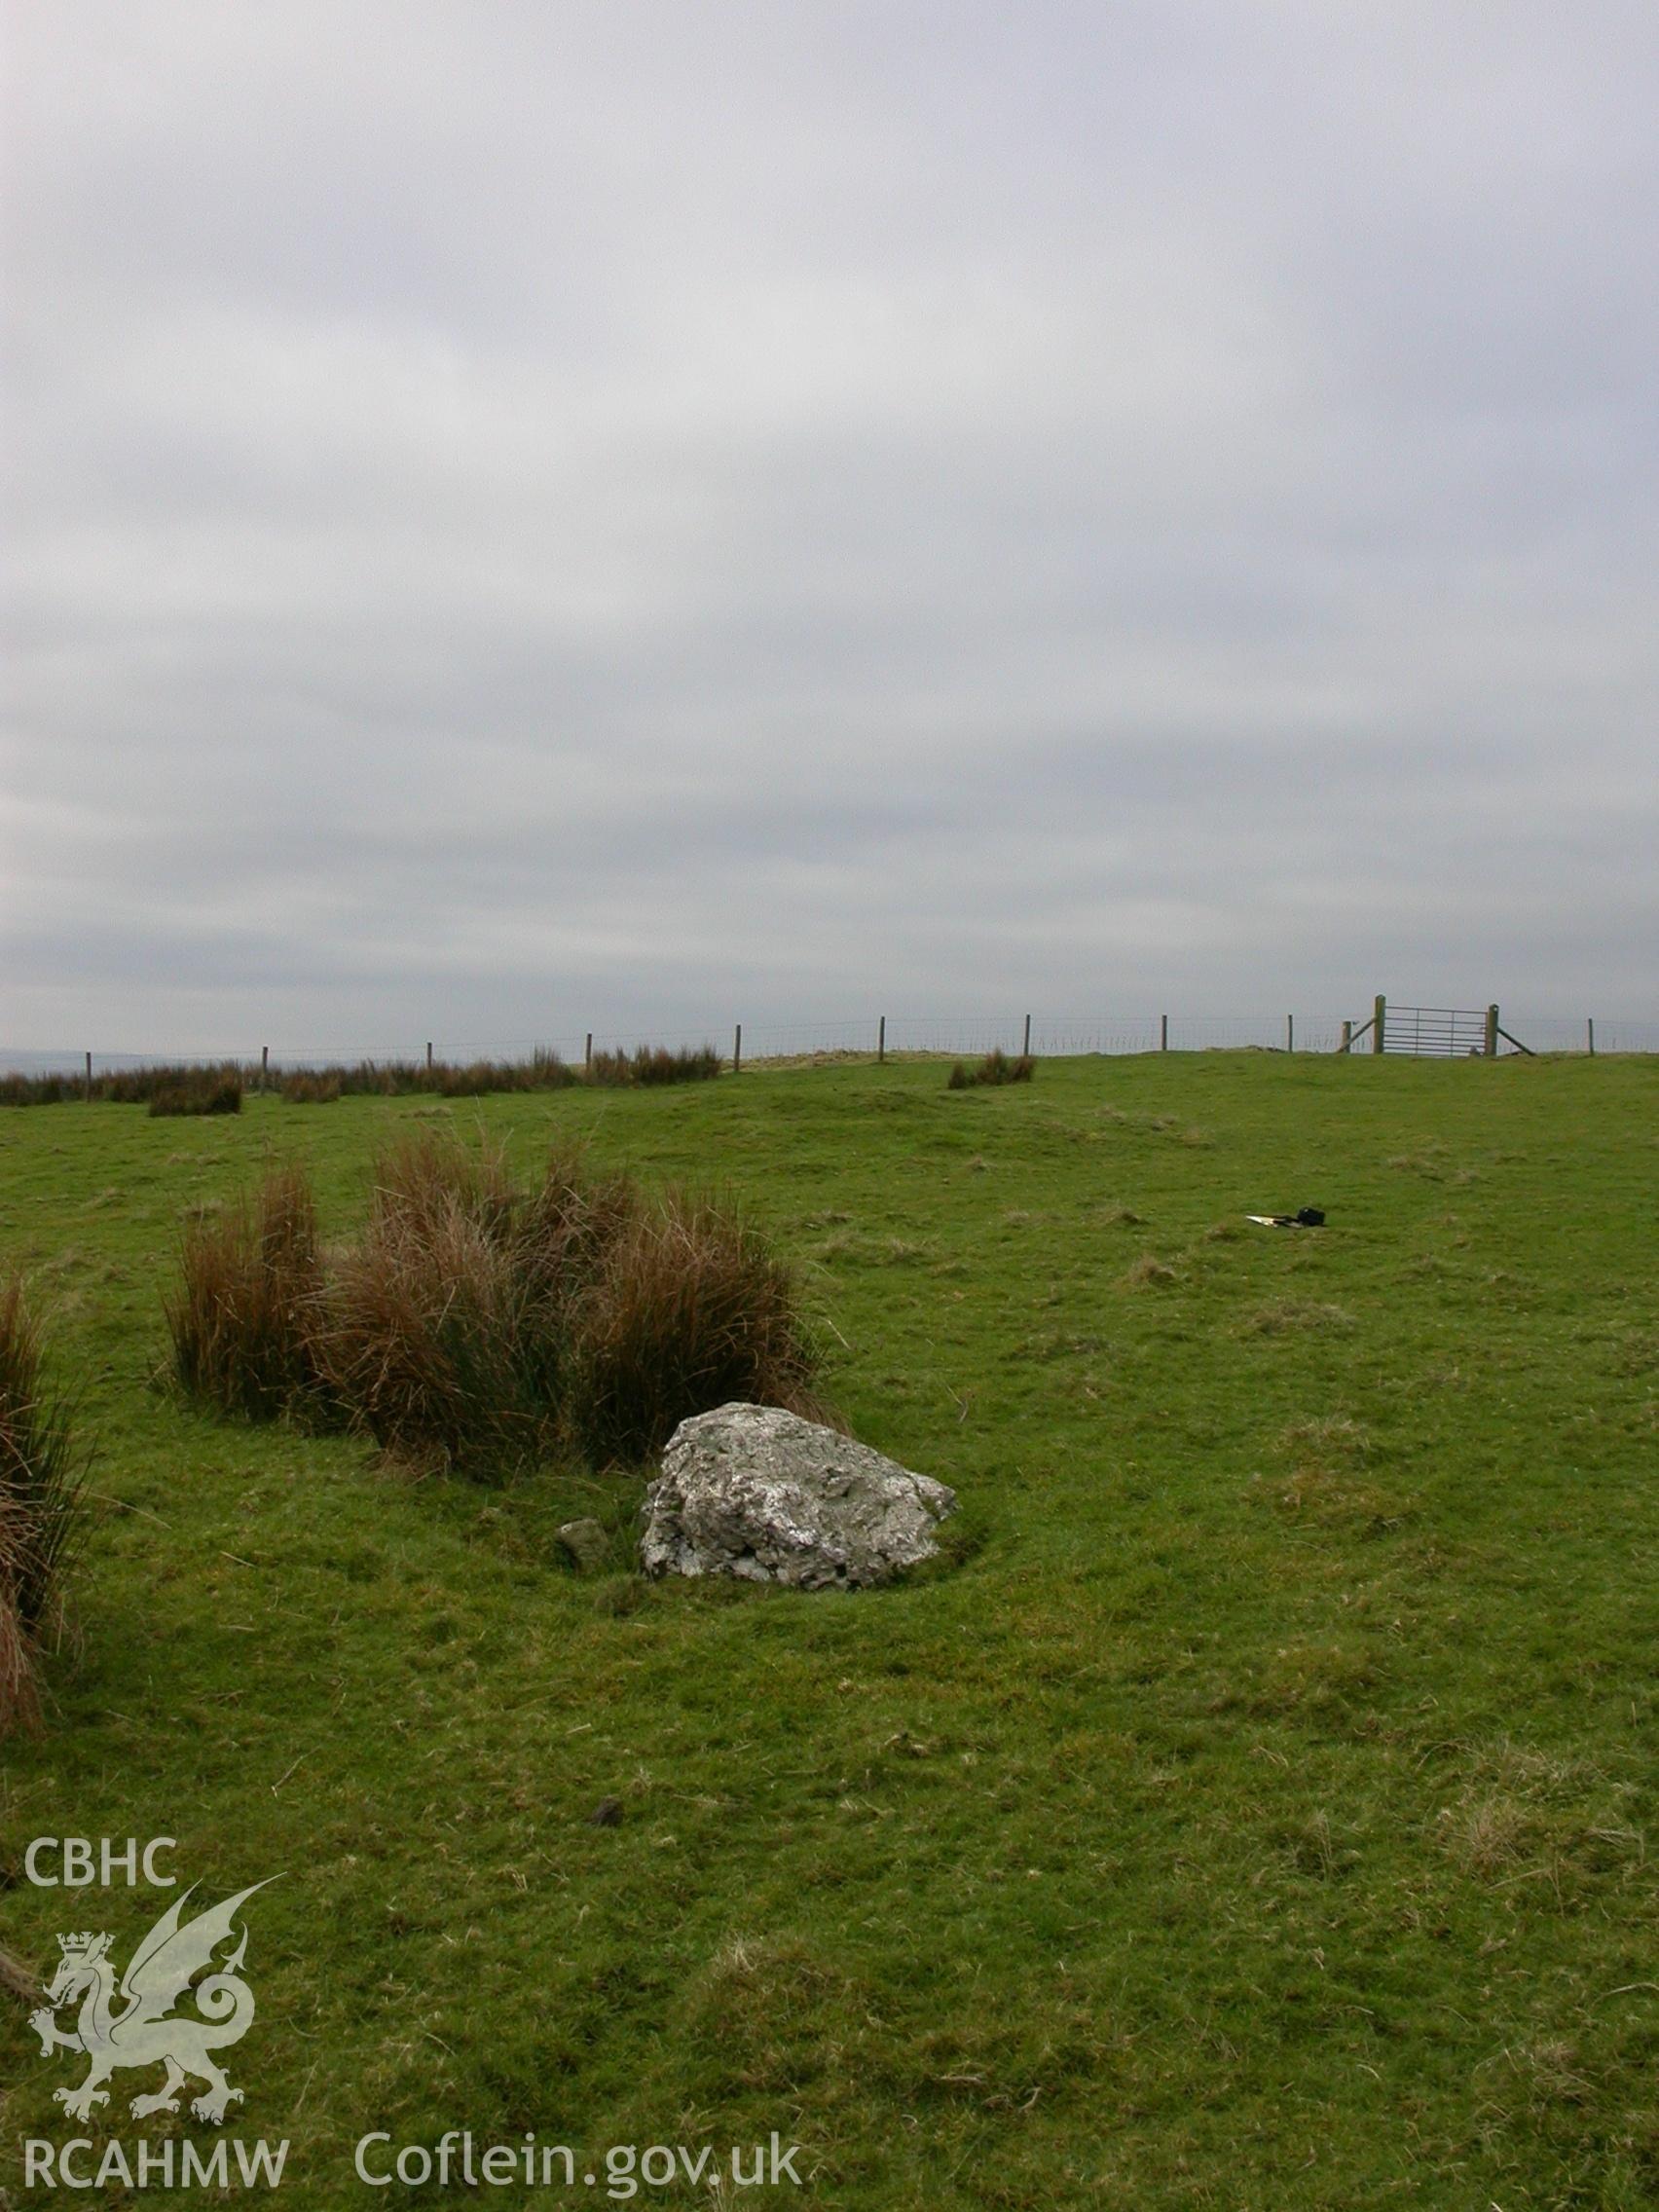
209,1093
41,1507
1149,1271
431,1334
479,1325
303,1089
996,1067
1486,1833
218,1088
653,1065
244,1315
690,1310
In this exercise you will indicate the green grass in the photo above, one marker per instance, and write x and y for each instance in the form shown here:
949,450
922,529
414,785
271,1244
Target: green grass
1256,1811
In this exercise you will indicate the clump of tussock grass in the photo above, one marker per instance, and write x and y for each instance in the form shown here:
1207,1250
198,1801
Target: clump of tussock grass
36,1089
688,1311
654,1064
244,1315
141,1087
177,1087
482,1079
1529,1771
126,1087
1150,1273
446,1327
478,1324
1486,1832
41,1507
996,1067
426,1331
1526,1812
215,1091
303,1089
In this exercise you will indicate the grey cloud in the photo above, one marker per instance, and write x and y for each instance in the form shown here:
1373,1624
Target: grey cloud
514,508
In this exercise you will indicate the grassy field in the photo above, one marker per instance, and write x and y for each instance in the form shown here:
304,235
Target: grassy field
1253,1812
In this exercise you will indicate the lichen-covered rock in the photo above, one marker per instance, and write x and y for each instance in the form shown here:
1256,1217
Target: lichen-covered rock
754,1491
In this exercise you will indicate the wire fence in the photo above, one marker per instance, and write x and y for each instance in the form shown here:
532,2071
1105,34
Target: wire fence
864,1036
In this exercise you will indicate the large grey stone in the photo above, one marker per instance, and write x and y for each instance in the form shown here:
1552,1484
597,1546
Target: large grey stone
754,1491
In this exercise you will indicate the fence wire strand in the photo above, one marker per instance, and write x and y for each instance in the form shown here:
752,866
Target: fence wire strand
1050,1037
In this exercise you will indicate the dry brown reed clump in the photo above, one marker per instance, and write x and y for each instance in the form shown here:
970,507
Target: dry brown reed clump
303,1089
428,1329
42,1508
654,1064
207,1091
183,1088
997,1066
477,1323
243,1317
689,1311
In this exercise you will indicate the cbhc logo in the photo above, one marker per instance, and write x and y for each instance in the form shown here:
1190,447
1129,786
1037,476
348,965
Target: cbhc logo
85,1866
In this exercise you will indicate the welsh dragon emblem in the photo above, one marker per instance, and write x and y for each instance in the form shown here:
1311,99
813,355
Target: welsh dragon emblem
130,2024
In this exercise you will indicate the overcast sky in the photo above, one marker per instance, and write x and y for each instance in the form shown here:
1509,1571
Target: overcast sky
522,518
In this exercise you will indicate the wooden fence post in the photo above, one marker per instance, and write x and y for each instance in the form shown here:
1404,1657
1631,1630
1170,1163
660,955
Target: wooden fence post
428,1055
1590,1033
1026,1049
737,1050
1492,1033
1290,1032
1163,1033
1346,1044
588,1054
88,1079
1378,1016
881,1042
264,1066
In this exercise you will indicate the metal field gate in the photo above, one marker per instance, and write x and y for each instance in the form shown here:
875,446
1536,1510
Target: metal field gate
1439,1032
1443,1032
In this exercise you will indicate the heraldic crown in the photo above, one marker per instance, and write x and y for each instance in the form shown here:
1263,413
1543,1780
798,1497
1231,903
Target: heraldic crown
84,1945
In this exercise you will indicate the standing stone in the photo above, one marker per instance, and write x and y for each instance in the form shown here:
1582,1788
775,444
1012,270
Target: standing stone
758,1492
